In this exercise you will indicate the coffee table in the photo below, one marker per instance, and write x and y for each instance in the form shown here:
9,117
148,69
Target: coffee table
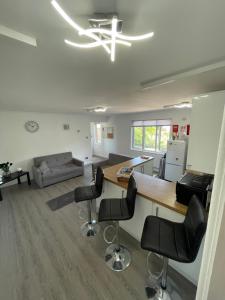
14,176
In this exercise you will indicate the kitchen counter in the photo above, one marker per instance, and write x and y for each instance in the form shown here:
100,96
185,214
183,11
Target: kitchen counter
149,187
155,197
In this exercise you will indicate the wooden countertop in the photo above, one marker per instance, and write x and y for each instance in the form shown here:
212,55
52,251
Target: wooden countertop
154,189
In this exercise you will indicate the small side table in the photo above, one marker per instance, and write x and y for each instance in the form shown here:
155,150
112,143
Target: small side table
14,176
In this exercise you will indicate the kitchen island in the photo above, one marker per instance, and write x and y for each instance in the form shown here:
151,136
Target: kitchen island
154,197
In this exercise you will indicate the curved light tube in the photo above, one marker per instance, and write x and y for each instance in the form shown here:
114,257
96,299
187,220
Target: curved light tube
113,39
77,27
98,20
96,44
135,37
112,36
118,35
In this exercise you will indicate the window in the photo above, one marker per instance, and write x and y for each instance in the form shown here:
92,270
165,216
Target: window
98,133
138,137
150,135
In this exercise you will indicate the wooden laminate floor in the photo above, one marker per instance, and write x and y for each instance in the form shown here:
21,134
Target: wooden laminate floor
44,257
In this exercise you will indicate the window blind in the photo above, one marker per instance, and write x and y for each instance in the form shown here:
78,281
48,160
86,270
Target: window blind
151,123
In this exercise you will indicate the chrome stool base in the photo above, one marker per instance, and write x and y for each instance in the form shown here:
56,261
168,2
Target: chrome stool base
117,257
163,295
90,229
157,293
155,282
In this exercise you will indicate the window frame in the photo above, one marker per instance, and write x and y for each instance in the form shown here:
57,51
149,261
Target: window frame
157,137
132,139
97,142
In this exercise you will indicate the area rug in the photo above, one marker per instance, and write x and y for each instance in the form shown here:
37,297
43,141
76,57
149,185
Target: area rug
61,201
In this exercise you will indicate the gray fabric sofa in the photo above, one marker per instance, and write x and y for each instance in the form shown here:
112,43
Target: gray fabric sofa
54,168
112,160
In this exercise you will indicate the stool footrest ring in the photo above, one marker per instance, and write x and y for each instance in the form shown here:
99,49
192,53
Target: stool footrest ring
105,232
153,276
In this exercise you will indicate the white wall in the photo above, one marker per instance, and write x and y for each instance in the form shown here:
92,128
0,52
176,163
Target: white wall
19,146
206,121
121,123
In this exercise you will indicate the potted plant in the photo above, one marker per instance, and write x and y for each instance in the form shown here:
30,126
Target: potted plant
5,167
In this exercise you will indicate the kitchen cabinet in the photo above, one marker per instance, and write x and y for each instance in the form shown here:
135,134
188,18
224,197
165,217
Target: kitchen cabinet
206,122
145,168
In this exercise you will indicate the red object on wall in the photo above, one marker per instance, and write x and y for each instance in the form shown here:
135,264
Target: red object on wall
188,129
175,128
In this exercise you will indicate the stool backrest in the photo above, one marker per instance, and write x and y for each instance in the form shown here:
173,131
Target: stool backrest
99,180
195,226
131,195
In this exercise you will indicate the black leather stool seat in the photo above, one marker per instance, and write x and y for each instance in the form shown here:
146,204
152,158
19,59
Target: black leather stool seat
166,238
117,257
84,193
89,193
178,241
114,209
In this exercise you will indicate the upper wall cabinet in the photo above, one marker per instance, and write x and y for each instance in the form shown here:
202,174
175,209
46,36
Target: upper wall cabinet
206,122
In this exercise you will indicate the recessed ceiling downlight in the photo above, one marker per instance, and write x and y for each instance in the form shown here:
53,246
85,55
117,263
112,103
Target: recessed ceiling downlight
97,109
200,96
183,105
100,109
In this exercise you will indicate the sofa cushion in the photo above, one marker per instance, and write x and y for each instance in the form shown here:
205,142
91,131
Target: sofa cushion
58,171
44,167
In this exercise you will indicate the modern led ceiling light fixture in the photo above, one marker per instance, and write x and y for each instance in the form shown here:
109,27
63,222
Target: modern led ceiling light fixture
96,109
106,31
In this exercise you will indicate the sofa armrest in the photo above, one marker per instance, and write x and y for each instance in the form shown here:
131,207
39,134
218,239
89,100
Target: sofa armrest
101,163
37,176
78,162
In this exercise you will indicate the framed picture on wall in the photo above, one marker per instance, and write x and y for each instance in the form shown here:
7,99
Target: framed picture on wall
109,133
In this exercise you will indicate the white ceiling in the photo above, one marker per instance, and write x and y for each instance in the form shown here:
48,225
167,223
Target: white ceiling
56,78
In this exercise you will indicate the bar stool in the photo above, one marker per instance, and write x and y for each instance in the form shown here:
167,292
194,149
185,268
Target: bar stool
117,257
178,241
89,193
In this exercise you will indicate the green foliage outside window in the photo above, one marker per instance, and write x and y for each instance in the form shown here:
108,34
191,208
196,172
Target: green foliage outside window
165,135
138,136
150,138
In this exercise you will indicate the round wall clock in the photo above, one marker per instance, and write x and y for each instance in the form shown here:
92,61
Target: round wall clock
31,126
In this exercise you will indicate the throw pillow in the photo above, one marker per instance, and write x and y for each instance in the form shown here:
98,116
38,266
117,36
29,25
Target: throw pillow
44,167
